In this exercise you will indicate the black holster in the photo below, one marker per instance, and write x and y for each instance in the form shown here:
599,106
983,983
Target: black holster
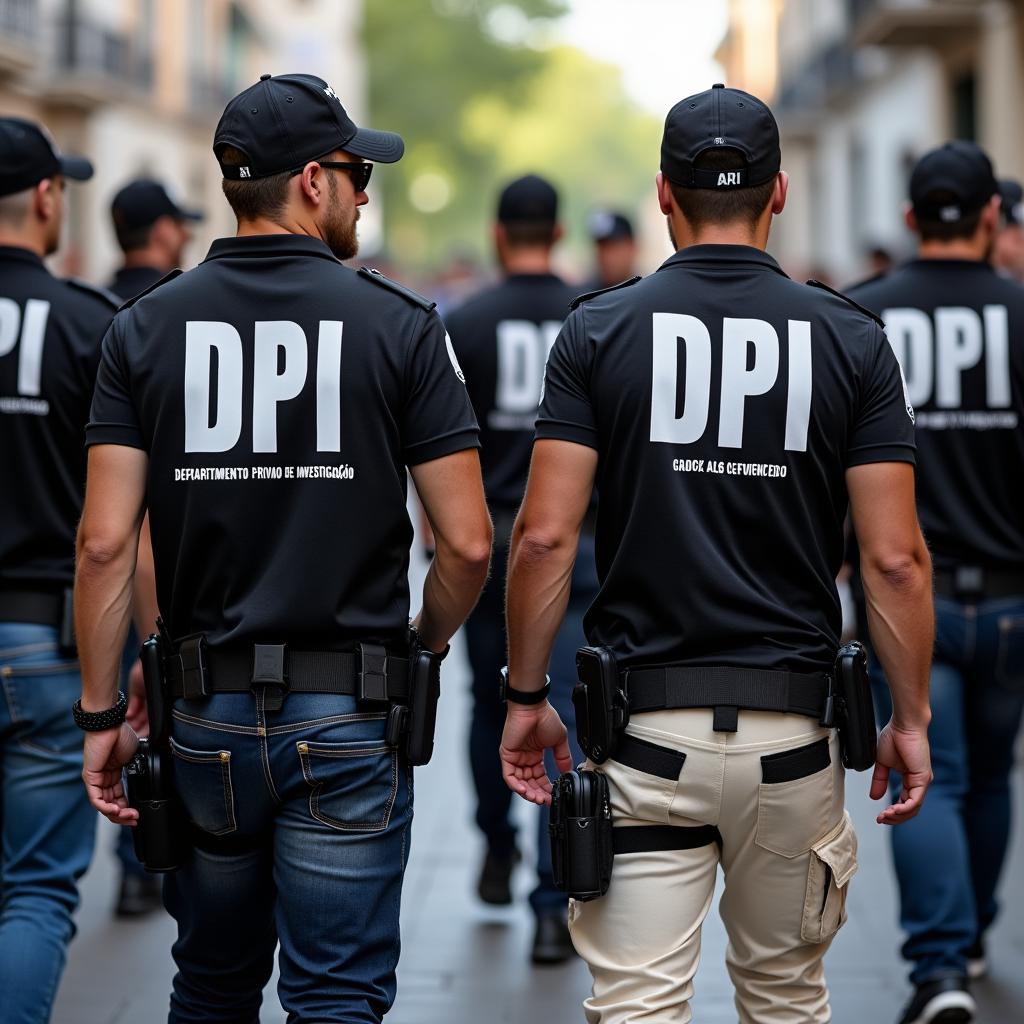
602,709
411,726
850,708
581,834
67,645
161,836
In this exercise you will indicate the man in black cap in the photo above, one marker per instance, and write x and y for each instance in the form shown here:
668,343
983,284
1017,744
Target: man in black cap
502,338
729,417
50,333
1008,250
957,327
265,407
614,248
152,231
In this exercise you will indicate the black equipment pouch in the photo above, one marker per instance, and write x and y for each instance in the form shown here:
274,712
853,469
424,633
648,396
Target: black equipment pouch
581,834
421,714
602,708
66,643
855,711
160,837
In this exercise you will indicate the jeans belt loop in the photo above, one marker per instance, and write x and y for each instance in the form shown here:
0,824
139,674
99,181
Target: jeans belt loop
268,674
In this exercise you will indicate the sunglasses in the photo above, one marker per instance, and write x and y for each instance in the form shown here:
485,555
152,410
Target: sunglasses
359,173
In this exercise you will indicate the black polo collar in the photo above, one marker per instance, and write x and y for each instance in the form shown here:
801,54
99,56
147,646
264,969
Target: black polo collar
717,255
267,246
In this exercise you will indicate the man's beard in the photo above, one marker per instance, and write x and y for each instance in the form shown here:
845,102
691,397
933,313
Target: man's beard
671,233
340,227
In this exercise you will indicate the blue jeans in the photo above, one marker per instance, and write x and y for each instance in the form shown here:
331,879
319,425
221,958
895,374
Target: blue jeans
487,647
48,826
948,859
305,816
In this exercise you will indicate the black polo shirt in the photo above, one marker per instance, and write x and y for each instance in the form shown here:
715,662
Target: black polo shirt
280,397
128,282
50,334
726,403
502,338
957,328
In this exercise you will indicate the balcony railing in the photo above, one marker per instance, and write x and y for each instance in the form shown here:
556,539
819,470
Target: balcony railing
912,22
19,33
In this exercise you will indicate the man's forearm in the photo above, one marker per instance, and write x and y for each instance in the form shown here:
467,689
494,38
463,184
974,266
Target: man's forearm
450,591
103,611
539,582
144,606
901,621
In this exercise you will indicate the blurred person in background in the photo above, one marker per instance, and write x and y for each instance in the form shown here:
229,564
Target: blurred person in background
502,338
50,334
152,231
879,261
719,535
615,248
957,328
1008,250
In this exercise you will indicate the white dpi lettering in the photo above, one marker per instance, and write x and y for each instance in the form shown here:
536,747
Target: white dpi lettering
33,334
934,355
729,178
276,343
523,349
738,382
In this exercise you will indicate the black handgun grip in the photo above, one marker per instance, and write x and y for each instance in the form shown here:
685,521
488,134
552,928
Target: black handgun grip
857,732
424,693
151,656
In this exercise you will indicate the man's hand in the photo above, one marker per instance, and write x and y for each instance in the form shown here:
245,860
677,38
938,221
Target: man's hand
105,754
138,711
529,731
904,751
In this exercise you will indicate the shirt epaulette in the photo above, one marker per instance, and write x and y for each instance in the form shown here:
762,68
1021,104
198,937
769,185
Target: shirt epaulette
170,276
600,291
399,289
95,290
846,298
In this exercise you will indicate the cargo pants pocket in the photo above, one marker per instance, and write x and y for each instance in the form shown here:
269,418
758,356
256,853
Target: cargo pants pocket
203,780
833,862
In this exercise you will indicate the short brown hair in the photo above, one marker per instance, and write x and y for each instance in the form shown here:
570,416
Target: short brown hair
704,206
253,198
934,230
529,232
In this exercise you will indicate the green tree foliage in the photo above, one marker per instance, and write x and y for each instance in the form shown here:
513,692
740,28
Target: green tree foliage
478,101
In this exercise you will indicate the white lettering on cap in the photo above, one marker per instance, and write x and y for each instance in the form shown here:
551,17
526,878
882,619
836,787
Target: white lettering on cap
244,172
730,178
949,214
329,91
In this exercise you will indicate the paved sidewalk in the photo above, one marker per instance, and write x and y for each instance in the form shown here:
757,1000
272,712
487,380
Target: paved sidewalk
465,963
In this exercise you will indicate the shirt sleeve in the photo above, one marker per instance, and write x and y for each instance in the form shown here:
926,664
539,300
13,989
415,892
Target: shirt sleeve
438,419
566,412
113,419
883,430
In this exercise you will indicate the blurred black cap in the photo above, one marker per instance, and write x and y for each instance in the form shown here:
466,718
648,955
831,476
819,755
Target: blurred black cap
951,182
530,198
1012,196
284,121
28,154
143,202
609,225
729,118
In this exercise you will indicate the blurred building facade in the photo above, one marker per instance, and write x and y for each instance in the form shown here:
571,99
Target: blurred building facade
138,86
862,88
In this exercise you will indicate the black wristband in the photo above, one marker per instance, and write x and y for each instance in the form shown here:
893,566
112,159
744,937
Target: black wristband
99,721
527,697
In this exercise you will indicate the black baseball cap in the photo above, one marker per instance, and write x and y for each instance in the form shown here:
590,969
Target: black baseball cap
951,182
143,202
284,121
609,225
530,198
720,117
1012,195
28,155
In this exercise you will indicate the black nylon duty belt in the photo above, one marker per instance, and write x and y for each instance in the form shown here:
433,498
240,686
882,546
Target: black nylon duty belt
40,607
653,838
231,671
727,690
977,583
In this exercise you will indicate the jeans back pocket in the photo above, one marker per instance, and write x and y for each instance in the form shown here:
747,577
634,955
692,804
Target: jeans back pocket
352,785
203,780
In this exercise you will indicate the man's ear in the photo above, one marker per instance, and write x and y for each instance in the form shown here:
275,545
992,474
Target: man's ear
664,194
313,183
44,199
992,213
558,234
910,218
780,192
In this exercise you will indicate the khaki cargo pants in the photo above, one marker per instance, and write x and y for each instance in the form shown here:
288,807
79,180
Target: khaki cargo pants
788,851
